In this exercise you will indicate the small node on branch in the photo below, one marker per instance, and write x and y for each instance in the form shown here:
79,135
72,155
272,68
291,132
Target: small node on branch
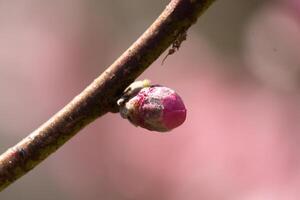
132,90
175,45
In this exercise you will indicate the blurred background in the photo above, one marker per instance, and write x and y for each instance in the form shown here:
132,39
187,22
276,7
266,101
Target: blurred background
238,74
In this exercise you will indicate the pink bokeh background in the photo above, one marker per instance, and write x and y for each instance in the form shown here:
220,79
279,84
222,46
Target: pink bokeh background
238,74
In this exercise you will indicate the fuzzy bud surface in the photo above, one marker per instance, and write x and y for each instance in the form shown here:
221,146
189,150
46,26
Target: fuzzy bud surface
156,108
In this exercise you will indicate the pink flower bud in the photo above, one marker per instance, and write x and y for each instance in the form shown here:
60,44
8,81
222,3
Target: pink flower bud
155,108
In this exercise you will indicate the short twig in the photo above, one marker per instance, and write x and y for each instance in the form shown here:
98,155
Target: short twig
175,45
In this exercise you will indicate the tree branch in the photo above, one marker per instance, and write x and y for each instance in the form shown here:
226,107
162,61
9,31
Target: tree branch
101,95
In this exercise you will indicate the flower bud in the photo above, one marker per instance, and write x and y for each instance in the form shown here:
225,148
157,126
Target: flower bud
156,108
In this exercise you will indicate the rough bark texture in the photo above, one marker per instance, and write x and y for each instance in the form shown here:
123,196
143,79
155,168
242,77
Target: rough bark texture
101,95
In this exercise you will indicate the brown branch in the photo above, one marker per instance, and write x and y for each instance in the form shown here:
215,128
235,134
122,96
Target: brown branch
101,95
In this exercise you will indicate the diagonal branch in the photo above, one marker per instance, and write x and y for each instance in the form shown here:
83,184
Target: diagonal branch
101,95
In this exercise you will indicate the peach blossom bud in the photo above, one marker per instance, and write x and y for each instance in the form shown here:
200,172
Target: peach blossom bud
156,108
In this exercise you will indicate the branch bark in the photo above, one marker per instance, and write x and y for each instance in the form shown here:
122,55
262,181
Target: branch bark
101,95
